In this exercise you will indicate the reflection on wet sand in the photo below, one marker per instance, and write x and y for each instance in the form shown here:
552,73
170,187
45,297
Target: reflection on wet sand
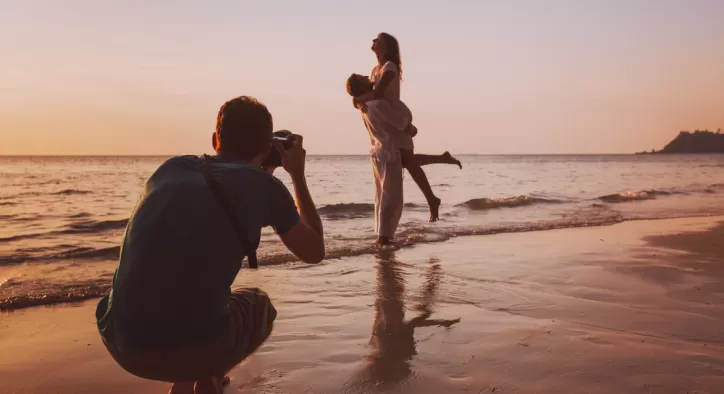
393,342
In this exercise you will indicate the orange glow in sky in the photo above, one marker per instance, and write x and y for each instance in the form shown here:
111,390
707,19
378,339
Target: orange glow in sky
495,77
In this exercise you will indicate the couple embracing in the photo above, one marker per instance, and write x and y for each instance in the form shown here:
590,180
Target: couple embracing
389,123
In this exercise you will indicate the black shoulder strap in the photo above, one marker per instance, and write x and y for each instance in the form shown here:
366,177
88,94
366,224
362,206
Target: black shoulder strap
230,212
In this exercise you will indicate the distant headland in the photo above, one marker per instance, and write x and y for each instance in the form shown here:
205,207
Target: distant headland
699,141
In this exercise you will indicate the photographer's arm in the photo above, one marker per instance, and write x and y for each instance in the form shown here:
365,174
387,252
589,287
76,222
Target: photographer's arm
305,205
306,238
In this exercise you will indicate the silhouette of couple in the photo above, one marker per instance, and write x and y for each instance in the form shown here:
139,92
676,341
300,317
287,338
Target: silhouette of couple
389,123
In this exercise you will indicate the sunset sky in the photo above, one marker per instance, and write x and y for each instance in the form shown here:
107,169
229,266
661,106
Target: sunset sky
492,77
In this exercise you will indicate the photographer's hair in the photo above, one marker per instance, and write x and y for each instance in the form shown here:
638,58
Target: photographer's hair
354,85
244,127
392,52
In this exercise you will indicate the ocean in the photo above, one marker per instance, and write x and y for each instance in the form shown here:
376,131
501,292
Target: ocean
62,218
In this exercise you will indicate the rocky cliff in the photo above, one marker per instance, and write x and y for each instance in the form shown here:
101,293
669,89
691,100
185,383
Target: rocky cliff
699,141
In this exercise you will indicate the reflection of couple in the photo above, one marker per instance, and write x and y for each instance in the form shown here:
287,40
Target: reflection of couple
389,123
393,342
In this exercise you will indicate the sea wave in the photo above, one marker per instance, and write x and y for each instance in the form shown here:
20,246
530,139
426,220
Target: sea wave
77,253
80,215
56,293
481,204
12,196
68,192
413,235
25,181
346,210
65,192
353,210
93,226
87,227
636,196
22,236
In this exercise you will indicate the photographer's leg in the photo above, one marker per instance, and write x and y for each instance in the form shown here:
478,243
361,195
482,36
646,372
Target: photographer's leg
252,316
418,175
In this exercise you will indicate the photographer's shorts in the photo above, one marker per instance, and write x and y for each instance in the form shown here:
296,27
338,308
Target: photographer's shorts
252,321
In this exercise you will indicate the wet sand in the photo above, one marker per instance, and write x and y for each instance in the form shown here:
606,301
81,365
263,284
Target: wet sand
632,308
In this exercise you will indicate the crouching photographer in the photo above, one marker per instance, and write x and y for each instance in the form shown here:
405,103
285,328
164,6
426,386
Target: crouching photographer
171,314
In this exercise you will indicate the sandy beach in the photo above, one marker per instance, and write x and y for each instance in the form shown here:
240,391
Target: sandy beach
637,307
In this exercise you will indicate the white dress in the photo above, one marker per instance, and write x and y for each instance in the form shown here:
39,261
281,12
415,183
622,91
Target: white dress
396,114
398,117
387,169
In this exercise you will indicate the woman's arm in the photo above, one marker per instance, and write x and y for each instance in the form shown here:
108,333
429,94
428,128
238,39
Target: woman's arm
378,92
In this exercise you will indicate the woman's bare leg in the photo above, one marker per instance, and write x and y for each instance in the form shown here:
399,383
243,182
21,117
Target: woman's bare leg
384,241
418,175
423,160
445,158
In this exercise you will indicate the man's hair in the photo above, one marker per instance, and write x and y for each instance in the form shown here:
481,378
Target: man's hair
244,126
357,84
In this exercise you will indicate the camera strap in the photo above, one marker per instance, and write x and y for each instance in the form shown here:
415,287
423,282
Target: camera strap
230,212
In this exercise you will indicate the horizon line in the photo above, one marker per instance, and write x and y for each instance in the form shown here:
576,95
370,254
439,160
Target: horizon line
323,154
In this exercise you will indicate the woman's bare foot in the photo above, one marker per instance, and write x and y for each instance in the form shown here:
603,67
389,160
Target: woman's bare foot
452,160
387,243
435,210
182,388
384,241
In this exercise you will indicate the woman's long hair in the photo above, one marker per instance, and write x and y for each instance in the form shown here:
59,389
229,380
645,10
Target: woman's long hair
393,51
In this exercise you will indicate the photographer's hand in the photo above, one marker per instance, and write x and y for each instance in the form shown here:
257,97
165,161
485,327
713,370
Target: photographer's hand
294,158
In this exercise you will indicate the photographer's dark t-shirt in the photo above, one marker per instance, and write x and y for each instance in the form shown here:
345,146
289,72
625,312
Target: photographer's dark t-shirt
180,255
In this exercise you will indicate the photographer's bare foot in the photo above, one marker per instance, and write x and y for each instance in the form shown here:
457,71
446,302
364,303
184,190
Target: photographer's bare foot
209,386
188,387
435,210
452,160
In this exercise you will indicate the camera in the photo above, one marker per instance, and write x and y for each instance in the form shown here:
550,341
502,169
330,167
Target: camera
286,139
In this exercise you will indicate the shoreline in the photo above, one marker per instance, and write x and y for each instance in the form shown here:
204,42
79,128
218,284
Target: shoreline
89,291
634,307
